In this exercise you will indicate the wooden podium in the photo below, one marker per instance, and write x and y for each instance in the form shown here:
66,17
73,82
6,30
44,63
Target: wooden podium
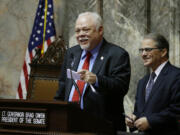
48,118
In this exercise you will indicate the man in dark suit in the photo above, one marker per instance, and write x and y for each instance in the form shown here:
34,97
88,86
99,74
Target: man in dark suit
157,102
108,73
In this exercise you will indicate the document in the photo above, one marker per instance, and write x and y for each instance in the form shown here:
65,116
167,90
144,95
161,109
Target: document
75,76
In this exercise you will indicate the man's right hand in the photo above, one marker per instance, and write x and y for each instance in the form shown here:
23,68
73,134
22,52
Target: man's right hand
130,121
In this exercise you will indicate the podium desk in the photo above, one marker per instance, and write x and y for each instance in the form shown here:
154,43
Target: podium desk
48,117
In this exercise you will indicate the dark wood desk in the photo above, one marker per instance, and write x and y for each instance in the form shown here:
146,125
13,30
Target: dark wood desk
51,117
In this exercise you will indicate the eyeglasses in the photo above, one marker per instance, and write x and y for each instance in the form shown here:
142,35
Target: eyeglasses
147,49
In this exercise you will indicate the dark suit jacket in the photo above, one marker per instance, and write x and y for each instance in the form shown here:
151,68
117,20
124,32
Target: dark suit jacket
113,73
163,105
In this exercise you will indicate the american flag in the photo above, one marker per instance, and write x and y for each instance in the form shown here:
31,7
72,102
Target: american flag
43,34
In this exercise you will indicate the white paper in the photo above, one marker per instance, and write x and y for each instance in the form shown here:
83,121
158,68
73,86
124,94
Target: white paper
93,89
73,74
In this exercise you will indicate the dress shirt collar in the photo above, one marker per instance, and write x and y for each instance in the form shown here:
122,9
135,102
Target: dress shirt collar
93,51
158,70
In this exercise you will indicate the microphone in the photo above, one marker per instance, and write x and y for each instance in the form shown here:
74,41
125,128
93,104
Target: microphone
73,81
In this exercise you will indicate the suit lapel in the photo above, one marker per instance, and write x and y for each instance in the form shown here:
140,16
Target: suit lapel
77,56
143,87
99,61
159,80
100,58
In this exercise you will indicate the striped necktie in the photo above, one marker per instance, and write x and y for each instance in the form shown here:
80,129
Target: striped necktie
150,85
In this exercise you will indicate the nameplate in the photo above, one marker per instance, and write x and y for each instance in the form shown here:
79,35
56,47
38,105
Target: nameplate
27,117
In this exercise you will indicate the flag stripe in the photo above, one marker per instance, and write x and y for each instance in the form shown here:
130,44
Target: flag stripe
20,91
25,74
28,60
48,41
23,85
31,54
45,46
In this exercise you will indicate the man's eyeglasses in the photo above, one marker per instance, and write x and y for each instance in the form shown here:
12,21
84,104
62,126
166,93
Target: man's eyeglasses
146,49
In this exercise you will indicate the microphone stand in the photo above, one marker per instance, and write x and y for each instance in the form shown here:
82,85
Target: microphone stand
75,85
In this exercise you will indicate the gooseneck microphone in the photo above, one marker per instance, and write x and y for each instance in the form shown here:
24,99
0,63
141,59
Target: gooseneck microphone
73,81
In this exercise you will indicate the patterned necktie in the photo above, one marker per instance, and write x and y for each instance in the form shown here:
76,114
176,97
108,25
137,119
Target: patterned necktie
150,85
80,83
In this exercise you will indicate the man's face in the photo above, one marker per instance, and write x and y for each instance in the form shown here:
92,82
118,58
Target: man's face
86,34
152,58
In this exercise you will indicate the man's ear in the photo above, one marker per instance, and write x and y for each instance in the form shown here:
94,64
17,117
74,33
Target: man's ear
164,52
101,29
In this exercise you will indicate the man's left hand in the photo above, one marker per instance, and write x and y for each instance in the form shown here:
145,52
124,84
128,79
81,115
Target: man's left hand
87,76
142,124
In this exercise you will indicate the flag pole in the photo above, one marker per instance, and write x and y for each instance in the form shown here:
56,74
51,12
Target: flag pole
44,32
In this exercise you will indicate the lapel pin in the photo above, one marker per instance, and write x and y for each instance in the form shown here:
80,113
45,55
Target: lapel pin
102,57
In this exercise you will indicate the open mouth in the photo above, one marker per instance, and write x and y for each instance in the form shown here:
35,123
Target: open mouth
83,40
